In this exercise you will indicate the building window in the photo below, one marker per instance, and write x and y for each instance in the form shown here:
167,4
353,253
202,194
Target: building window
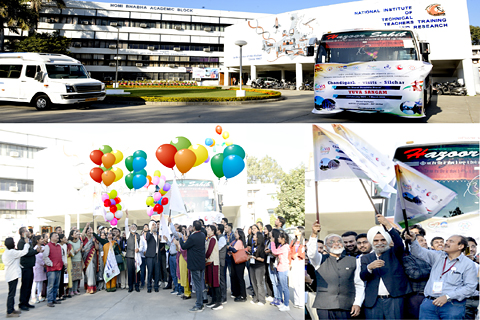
13,205
13,150
21,185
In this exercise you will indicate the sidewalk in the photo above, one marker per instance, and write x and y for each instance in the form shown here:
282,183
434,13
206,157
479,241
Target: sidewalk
124,305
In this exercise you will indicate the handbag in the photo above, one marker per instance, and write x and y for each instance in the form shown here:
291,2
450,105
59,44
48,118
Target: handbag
240,256
119,259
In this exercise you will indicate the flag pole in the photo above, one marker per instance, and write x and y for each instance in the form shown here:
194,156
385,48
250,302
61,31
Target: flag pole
402,203
369,198
316,201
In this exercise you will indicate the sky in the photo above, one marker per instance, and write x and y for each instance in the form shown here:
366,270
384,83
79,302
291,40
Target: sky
273,7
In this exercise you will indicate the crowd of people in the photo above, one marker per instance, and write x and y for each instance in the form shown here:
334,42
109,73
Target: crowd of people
185,260
388,273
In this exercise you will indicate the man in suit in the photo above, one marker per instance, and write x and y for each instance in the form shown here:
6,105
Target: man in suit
382,270
151,254
134,246
27,262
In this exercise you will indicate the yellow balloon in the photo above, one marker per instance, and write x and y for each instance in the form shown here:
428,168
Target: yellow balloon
225,135
201,153
118,156
163,192
157,173
118,174
228,142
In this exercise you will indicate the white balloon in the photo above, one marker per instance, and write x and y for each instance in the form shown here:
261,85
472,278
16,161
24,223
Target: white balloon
119,214
151,189
161,184
109,216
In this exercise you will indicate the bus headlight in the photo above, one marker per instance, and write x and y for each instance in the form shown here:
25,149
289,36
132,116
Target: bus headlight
70,88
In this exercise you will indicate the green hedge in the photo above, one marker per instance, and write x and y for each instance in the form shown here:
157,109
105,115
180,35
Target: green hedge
269,95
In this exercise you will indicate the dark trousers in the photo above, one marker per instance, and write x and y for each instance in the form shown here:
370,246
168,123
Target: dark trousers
153,272
412,305
12,289
26,289
389,308
471,308
223,282
162,259
133,277
198,279
216,295
143,271
239,289
61,286
268,281
333,314
229,261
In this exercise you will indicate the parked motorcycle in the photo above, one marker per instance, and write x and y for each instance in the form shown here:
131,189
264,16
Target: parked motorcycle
453,88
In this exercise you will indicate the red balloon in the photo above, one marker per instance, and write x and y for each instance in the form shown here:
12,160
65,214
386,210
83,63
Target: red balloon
117,200
218,129
166,155
165,201
96,156
107,203
113,209
157,207
160,210
96,174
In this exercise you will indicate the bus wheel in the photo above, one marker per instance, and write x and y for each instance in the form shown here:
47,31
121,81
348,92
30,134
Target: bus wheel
42,102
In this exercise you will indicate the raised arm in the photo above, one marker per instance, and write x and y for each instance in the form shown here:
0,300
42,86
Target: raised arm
312,248
102,241
430,256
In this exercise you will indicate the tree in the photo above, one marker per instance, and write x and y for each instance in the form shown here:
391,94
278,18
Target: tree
265,170
475,35
45,43
15,15
292,197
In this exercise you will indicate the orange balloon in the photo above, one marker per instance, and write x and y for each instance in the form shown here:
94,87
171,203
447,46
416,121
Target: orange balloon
108,177
108,160
149,179
185,159
218,129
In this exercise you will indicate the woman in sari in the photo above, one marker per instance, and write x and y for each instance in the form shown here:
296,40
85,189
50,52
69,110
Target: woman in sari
76,273
107,243
184,273
89,254
212,269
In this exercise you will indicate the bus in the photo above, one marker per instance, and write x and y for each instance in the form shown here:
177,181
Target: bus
371,71
454,165
201,200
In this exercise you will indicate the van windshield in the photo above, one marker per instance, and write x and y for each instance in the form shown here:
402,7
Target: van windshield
363,46
66,71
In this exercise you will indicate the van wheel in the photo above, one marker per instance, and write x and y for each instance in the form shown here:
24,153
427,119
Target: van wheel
42,102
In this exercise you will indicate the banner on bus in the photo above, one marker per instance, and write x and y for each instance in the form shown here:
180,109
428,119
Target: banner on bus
420,196
394,87
336,158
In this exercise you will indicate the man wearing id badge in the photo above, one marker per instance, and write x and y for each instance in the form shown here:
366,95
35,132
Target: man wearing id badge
452,279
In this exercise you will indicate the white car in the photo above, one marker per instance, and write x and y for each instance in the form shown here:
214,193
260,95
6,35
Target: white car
42,79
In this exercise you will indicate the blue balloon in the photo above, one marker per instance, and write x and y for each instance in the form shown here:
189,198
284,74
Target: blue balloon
208,142
112,202
139,163
139,181
232,166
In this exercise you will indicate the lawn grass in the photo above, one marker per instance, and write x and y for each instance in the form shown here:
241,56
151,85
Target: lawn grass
188,93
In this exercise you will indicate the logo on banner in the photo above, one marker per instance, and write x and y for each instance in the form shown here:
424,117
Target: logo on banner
329,69
387,67
435,10
324,150
369,67
399,67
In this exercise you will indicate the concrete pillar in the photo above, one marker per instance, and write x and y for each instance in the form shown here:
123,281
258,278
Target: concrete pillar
68,224
226,78
282,75
253,72
467,67
299,74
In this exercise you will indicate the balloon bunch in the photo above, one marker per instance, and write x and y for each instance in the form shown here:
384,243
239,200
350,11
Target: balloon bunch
106,173
229,163
112,201
136,163
209,142
156,199
181,153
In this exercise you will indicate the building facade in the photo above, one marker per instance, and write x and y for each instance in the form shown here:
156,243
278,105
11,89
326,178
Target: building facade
154,42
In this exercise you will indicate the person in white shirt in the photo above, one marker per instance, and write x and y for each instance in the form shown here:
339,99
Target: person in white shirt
11,260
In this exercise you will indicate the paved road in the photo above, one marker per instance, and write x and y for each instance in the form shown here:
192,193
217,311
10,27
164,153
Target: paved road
296,108
123,305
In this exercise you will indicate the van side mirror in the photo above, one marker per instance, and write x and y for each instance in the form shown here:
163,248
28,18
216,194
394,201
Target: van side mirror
310,49
424,48
39,76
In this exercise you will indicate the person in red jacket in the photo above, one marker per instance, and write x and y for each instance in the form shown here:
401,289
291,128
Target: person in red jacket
52,256
296,257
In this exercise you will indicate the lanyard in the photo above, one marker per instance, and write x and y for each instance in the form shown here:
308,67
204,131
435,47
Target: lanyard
444,264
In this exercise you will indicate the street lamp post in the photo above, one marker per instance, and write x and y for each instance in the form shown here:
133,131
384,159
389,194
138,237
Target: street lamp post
241,43
116,64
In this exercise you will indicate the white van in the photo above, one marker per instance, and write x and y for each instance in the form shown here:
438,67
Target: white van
44,78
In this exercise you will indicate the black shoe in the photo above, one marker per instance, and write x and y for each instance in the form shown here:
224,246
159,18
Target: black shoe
149,290
210,305
157,290
57,302
167,288
24,308
137,289
205,300
30,306
130,290
186,298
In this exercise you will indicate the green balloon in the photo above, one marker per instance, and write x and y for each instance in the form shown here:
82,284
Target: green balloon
143,172
129,163
105,169
105,149
140,153
234,150
217,165
129,180
181,143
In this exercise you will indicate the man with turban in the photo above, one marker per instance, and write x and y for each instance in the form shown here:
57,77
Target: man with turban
340,291
386,281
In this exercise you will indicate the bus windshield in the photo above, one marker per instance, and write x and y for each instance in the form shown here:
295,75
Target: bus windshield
66,71
454,165
198,195
365,46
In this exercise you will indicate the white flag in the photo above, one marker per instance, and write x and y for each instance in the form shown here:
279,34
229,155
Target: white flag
420,196
111,267
175,201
